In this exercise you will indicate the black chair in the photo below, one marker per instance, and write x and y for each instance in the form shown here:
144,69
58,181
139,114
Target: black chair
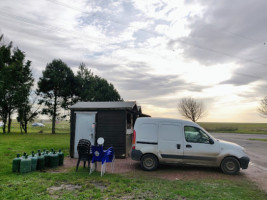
84,147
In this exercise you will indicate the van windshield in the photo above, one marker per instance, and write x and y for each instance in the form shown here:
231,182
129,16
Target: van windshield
208,133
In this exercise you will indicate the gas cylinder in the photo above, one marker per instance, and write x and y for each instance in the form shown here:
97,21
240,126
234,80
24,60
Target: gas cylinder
23,156
60,157
37,154
25,165
33,162
43,153
54,159
16,164
52,151
40,161
47,159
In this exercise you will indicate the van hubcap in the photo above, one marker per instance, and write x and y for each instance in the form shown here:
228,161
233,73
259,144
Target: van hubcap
149,162
230,166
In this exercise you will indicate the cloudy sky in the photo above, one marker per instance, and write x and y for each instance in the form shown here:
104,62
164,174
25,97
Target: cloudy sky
155,52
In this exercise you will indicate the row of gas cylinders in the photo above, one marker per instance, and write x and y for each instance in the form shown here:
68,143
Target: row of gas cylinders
38,161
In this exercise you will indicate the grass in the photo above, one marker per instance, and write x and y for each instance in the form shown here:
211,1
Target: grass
35,185
258,139
248,128
17,143
62,127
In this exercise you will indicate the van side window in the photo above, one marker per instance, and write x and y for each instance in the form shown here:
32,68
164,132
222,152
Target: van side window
195,135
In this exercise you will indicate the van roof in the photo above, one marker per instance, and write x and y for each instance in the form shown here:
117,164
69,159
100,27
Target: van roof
158,119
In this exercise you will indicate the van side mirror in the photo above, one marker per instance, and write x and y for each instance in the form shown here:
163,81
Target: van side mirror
211,141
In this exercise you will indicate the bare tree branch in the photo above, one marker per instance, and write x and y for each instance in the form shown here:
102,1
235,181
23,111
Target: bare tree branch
191,109
263,107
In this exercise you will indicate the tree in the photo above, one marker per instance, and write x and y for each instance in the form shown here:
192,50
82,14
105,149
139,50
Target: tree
263,107
191,109
55,89
16,81
5,53
104,91
84,84
91,87
27,113
5,57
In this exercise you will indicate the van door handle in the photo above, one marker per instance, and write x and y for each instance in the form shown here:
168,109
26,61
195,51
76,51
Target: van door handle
178,146
188,146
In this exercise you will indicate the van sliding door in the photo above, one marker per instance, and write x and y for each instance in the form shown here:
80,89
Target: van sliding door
170,142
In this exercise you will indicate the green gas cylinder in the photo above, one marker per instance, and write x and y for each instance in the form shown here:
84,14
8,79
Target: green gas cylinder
43,153
40,161
52,151
37,154
25,165
54,159
24,154
16,164
47,159
60,157
33,162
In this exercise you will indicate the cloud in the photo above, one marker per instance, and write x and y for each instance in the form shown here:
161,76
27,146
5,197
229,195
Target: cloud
225,33
137,83
153,51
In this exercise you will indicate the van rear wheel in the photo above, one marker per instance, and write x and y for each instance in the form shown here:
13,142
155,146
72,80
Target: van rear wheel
230,165
149,162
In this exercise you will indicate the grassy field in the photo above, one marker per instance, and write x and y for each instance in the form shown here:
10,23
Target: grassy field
35,185
258,139
251,128
213,127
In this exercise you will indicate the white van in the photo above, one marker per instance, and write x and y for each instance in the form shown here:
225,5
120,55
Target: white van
159,140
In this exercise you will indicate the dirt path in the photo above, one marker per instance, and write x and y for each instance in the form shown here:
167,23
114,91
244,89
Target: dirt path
258,175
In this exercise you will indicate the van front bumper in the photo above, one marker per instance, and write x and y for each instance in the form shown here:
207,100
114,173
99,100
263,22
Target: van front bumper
136,154
244,162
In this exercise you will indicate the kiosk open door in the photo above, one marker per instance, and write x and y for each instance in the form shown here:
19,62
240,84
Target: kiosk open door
84,128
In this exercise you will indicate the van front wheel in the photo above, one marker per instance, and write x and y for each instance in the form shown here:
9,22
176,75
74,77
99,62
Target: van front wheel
149,162
230,165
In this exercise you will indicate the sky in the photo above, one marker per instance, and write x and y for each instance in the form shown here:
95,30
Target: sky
154,52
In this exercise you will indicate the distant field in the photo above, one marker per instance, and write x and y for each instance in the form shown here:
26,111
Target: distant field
61,127
213,127
251,128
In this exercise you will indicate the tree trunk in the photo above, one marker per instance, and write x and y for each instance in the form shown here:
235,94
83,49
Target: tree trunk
9,122
54,115
20,126
4,121
4,128
25,126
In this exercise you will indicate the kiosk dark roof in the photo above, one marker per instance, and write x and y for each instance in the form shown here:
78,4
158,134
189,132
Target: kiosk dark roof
105,105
